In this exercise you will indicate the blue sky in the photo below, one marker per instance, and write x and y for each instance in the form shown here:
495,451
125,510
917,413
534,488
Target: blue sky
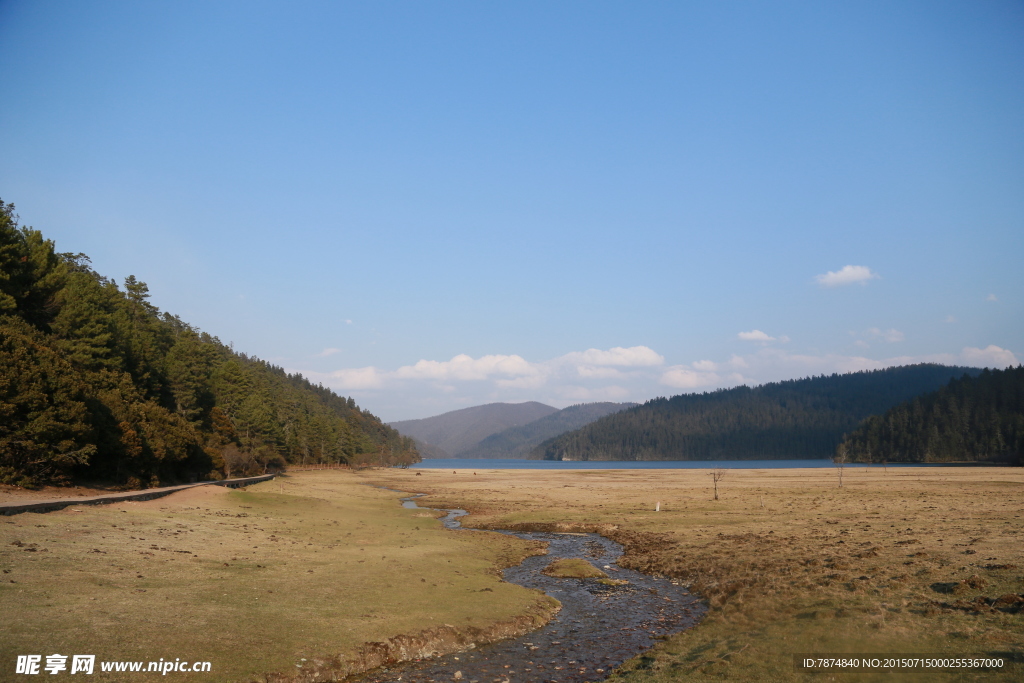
434,205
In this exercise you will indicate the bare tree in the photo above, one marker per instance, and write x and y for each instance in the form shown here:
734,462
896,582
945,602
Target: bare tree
716,476
235,460
839,460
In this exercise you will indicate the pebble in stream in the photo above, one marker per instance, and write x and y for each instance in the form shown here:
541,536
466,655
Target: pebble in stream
598,628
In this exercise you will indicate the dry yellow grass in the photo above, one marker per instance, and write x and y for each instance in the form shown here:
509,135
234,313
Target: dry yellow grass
789,562
254,581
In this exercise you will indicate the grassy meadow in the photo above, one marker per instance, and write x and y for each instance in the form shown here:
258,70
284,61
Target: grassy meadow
288,576
895,561
296,575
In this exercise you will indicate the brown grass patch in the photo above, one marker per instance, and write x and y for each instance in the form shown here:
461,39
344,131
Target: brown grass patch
314,571
789,562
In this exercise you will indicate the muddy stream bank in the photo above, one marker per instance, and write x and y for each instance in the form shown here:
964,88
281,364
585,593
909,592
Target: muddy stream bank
598,628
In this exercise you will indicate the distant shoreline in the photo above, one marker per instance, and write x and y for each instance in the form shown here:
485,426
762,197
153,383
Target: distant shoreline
515,464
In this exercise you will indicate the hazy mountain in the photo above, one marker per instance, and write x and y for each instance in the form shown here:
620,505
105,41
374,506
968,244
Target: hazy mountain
427,450
517,442
803,418
460,430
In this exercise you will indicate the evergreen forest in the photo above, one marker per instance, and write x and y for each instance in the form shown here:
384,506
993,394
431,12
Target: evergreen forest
97,384
804,418
970,419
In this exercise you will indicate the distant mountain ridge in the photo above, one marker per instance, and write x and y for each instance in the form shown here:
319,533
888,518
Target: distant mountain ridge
805,418
518,441
451,433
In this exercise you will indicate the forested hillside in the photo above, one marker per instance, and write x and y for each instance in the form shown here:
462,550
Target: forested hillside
96,383
518,441
970,419
804,418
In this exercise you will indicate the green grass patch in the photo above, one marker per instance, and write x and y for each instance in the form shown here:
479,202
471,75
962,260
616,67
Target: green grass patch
573,568
613,582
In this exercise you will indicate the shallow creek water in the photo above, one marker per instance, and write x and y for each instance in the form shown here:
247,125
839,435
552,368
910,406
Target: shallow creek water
598,628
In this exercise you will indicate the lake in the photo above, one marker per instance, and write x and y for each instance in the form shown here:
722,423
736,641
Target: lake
511,464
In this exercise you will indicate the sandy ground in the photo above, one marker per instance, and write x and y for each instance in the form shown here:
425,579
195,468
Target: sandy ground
14,494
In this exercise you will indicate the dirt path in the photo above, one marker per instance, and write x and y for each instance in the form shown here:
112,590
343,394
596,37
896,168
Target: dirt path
50,502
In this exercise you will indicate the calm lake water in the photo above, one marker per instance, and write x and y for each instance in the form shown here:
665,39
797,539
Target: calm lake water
510,464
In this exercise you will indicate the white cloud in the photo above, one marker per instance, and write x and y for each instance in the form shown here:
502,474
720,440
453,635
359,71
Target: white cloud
991,297
950,319
755,335
430,387
348,322
463,367
327,352
592,372
847,275
516,371
578,394
890,335
618,373
989,357
529,382
356,378
686,377
773,364
738,362
634,356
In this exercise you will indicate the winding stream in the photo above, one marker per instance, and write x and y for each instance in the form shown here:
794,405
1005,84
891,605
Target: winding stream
598,628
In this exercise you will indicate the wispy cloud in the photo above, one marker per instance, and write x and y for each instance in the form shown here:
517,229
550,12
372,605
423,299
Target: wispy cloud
508,371
759,336
891,335
634,356
876,334
355,378
463,367
847,275
703,374
327,352
755,335
687,377
636,373
991,297
989,357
